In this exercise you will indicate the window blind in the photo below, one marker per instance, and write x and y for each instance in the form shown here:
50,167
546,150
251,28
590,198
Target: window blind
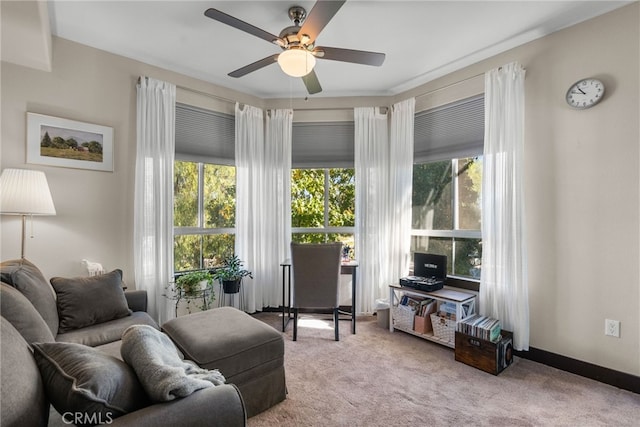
204,135
450,131
322,144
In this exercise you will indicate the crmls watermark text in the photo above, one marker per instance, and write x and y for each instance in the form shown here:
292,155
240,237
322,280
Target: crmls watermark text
431,265
84,418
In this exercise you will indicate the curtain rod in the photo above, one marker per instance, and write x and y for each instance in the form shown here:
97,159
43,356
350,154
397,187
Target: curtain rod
210,95
449,85
453,84
199,92
233,101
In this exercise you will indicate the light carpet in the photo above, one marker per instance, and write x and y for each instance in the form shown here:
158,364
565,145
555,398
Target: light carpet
377,378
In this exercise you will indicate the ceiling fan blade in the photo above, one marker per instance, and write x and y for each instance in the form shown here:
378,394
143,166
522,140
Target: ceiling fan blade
255,66
349,55
319,17
240,25
312,83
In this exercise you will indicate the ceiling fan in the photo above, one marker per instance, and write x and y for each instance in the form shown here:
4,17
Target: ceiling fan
298,43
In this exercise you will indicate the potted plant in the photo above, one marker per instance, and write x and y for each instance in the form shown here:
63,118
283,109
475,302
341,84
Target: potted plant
193,282
230,274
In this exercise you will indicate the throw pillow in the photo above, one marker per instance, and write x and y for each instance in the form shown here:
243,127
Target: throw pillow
87,385
28,279
17,309
86,301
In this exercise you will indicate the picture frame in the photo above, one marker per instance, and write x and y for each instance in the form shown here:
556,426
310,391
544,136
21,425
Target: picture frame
55,141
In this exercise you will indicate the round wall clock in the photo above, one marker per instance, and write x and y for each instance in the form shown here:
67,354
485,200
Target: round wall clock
585,93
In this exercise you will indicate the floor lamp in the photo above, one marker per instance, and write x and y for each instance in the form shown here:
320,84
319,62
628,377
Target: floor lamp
25,192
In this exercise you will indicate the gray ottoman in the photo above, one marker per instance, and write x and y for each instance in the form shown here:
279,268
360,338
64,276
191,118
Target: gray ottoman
248,352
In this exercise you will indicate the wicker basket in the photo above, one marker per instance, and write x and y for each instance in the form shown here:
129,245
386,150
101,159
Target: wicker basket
443,328
403,316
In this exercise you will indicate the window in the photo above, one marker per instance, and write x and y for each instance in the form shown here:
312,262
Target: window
204,214
447,178
323,205
323,183
204,188
446,213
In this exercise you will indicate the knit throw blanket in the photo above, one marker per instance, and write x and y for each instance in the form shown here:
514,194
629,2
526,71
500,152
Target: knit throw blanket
160,367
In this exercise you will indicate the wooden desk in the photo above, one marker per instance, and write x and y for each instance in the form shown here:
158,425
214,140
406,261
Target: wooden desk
350,267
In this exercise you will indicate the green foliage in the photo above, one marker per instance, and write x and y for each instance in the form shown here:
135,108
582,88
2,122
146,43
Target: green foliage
192,251
189,282
72,143
431,196
94,147
342,197
187,287
433,209
58,142
308,204
185,194
46,140
231,269
219,196
307,198
469,194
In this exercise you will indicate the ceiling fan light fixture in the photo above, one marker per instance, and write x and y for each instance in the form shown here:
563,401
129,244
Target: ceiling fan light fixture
296,62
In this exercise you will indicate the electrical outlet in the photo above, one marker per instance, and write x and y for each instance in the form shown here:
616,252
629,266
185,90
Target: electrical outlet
612,328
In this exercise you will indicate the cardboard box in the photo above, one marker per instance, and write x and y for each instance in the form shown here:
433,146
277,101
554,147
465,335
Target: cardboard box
422,325
491,357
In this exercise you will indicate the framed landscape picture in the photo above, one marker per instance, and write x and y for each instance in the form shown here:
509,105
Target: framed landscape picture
68,143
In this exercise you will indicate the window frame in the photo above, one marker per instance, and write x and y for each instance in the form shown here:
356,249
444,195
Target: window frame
326,229
455,233
200,229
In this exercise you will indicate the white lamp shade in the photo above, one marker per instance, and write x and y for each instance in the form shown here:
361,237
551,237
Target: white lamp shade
296,62
25,192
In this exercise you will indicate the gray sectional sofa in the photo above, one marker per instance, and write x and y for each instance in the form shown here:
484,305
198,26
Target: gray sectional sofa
63,348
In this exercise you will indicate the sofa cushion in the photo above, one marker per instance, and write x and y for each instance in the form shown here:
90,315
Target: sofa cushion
24,402
104,333
17,309
86,301
28,279
82,380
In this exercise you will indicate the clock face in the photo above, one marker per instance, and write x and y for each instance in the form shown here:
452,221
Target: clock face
585,93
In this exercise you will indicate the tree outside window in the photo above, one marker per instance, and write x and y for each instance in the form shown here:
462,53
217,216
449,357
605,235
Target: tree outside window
204,214
323,205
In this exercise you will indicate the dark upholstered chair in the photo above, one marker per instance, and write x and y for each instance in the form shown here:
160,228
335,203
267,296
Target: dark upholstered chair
316,275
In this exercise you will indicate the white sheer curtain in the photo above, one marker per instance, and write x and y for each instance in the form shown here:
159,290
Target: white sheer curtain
153,201
401,180
384,170
277,203
372,223
503,285
249,200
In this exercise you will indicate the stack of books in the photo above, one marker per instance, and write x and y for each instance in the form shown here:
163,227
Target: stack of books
482,327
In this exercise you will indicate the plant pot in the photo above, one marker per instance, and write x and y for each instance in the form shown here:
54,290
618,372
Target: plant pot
197,289
231,286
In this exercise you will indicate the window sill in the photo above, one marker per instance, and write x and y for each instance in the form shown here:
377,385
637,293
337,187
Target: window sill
463,283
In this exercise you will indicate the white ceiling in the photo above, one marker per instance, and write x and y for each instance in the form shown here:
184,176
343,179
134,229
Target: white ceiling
423,40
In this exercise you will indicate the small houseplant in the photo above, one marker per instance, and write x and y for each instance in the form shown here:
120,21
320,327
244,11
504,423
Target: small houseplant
230,274
194,281
193,285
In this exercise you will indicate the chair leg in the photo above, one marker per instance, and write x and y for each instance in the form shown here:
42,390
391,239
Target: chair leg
295,324
336,323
